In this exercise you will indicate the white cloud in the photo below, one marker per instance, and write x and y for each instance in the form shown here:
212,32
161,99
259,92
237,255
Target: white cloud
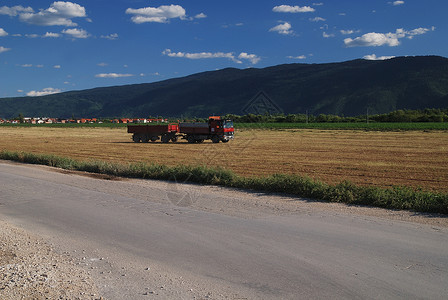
26,65
112,75
161,14
3,32
57,66
3,49
292,9
284,29
347,32
39,66
46,91
76,33
374,57
15,10
395,3
327,35
59,13
51,35
297,57
200,16
102,64
317,19
112,36
204,55
200,55
373,39
254,59
32,36
318,4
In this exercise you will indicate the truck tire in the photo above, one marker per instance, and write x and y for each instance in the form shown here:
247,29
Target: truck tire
154,138
224,141
200,141
190,139
165,138
174,139
145,139
136,138
215,139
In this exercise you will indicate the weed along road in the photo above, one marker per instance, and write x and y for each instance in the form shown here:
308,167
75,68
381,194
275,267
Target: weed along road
156,240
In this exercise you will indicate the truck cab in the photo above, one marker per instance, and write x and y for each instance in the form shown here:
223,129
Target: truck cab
221,129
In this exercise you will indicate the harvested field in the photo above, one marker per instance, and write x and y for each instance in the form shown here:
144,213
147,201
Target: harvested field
411,158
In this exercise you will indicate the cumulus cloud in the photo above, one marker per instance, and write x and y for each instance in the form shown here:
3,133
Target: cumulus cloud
284,29
373,39
317,19
112,75
59,13
204,55
200,16
3,32
15,10
51,35
3,49
76,33
161,14
297,57
396,3
292,9
254,59
374,57
112,36
347,32
46,91
327,35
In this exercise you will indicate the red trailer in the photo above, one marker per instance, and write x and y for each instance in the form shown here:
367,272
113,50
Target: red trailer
216,130
146,133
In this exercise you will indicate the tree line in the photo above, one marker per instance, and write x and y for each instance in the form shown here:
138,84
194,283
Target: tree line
402,115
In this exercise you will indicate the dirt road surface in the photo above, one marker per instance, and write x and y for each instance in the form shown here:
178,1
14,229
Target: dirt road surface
142,239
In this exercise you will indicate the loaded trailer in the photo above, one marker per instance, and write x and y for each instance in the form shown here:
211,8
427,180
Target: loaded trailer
216,130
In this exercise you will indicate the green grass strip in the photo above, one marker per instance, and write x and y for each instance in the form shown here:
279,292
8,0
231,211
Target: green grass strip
404,198
347,126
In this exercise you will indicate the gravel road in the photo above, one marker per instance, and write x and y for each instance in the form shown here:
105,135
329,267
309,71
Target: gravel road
74,235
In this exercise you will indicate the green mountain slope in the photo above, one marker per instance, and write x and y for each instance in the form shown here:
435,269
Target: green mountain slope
347,88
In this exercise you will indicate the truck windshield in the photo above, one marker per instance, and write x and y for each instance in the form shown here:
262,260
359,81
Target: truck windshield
228,124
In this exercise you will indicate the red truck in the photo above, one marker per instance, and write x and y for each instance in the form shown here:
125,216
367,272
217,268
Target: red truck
215,129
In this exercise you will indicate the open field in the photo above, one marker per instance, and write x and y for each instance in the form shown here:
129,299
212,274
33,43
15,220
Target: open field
411,158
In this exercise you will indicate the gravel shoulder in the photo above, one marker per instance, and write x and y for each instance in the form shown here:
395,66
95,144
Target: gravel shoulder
31,269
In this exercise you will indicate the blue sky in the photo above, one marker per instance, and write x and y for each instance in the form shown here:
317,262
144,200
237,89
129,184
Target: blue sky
56,46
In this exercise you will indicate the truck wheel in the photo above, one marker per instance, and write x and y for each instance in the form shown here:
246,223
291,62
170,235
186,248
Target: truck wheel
224,141
174,139
154,138
145,139
190,139
165,139
136,138
215,139
200,141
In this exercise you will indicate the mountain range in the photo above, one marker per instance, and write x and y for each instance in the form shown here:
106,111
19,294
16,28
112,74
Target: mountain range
347,88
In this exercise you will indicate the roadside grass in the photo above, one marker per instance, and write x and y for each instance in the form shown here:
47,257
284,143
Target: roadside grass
398,197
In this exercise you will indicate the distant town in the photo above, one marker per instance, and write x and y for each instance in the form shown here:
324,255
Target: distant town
28,120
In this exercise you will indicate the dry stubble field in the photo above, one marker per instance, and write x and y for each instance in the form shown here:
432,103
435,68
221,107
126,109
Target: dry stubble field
412,158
